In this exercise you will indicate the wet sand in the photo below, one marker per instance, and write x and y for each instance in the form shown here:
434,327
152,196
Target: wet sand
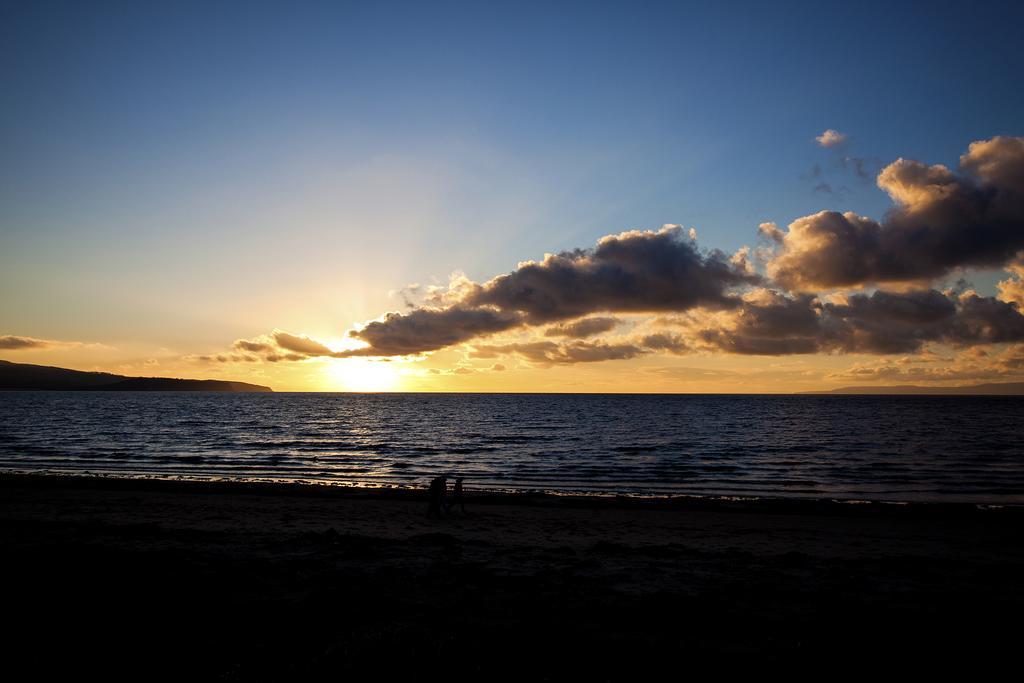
222,581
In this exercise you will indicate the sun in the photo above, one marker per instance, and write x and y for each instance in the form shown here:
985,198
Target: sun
360,374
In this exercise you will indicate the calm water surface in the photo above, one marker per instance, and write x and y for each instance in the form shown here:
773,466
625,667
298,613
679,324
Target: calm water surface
905,448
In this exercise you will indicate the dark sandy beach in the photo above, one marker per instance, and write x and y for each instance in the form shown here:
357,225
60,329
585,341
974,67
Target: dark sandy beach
225,581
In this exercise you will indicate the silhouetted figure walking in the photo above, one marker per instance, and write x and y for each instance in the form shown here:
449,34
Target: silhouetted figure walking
438,488
456,497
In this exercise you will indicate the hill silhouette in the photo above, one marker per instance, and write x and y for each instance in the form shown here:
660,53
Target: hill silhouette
24,376
990,389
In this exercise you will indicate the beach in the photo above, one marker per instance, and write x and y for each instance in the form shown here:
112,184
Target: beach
250,582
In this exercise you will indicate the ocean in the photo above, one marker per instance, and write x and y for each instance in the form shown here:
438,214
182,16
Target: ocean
890,448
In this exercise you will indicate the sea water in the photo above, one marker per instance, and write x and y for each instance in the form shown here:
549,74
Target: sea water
895,448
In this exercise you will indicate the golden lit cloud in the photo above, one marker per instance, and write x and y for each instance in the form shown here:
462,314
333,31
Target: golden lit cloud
831,138
941,221
1012,288
973,365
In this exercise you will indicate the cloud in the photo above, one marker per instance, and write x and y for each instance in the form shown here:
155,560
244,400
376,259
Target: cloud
881,323
691,374
407,294
964,366
276,347
580,329
429,329
13,343
636,271
999,161
466,370
831,138
860,166
301,344
768,323
863,168
580,351
224,358
552,353
253,346
1012,288
772,323
742,380
278,357
941,220
772,232
666,342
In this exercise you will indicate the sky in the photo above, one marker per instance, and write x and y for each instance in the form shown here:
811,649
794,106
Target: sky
247,190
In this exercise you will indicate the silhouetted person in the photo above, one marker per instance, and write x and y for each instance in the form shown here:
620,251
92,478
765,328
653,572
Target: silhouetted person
438,488
456,497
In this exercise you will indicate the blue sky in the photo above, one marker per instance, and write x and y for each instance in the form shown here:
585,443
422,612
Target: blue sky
164,163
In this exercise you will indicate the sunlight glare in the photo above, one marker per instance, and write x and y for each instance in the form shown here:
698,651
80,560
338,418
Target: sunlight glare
360,374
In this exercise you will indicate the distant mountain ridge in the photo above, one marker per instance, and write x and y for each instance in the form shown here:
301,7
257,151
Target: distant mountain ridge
27,377
990,389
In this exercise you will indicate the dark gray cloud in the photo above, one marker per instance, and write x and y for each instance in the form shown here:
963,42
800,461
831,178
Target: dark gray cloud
765,323
986,320
276,347
631,272
772,325
396,335
941,221
880,323
636,272
580,329
864,169
429,329
14,343
253,346
889,322
278,357
301,345
225,358
669,342
579,351
553,353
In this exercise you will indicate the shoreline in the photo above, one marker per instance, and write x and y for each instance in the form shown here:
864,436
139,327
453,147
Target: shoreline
488,496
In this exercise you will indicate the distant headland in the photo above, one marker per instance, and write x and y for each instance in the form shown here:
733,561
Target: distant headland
23,376
990,389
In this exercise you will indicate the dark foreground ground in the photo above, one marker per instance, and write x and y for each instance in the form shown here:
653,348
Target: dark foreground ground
247,582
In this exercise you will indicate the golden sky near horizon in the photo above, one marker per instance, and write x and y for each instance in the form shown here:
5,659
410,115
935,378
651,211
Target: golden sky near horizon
452,371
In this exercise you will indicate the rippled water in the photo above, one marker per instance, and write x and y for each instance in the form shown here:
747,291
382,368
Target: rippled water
892,448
